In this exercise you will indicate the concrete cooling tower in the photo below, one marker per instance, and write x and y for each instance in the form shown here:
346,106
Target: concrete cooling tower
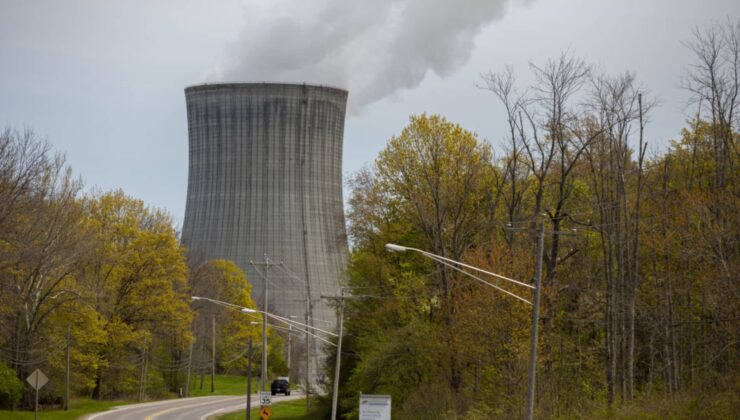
265,180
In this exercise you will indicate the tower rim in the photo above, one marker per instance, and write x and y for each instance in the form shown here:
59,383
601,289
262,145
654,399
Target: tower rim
249,85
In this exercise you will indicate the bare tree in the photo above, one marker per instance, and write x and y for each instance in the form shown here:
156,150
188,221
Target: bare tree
617,105
559,148
40,236
715,80
515,168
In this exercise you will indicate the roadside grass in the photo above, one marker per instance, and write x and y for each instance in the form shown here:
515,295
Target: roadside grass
78,408
288,410
723,404
225,385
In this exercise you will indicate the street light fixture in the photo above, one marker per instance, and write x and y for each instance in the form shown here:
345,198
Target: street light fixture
396,248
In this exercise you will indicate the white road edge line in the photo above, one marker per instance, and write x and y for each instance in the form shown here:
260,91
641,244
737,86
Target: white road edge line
241,406
168,410
147,404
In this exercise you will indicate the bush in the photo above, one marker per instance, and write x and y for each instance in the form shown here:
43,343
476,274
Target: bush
11,388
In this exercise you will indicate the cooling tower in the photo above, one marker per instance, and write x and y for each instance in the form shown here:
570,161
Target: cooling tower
265,179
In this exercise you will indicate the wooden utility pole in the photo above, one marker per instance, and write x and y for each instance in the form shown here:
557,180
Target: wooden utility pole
142,381
535,322
335,395
213,354
66,388
263,374
190,368
290,339
308,358
537,291
249,378
267,265
146,372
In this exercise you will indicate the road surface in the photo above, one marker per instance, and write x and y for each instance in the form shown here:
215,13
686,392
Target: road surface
184,408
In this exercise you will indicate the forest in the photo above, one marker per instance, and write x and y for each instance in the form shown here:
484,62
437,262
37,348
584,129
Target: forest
640,294
97,285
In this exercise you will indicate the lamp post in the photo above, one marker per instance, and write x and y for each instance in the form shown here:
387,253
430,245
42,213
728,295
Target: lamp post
455,265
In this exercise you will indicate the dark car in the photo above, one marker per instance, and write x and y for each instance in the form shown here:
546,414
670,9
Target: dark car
280,386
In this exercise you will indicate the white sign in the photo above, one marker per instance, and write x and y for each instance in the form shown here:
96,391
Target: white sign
265,398
37,379
375,407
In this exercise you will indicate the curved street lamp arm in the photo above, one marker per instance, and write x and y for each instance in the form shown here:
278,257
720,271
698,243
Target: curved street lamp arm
438,258
480,280
271,315
291,322
305,332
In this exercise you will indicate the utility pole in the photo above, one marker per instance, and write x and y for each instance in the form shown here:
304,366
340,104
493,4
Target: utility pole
142,383
535,321
66,388
267,265
308,358
190,368
146,371
531,387
335,394
309,321
307,379
264,328
290,338
249,379
213,354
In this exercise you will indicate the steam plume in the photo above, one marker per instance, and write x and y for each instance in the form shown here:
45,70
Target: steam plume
373,48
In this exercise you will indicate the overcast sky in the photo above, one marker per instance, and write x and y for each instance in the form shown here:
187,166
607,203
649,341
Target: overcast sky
104,80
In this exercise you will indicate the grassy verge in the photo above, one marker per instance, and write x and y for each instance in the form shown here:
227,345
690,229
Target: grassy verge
723,404
225,385
78,408
288,410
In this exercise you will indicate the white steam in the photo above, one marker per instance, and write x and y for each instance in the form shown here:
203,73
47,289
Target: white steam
373,48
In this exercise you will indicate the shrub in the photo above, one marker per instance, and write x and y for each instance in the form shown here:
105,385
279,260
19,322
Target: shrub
11,388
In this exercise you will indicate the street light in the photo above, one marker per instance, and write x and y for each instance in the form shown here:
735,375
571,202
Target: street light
454,265
535,299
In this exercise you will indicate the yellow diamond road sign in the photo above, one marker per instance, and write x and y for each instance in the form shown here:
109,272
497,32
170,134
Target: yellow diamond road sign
265,413
37,379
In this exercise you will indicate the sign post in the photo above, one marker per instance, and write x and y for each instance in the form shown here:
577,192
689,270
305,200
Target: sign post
37,380
375,407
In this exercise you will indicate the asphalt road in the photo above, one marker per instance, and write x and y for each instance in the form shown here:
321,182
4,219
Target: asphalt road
184,408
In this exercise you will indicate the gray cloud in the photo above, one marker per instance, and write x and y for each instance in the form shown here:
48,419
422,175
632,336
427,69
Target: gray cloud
373,48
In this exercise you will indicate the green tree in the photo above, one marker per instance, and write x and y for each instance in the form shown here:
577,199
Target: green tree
225,281
137,283
11,387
